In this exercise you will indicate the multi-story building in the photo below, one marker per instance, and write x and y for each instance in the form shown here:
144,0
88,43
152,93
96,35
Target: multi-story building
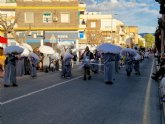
40,20
132,36
44,19
99,28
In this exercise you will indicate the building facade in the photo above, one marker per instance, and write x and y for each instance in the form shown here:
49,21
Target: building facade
160,31
102,28
39,20
132,36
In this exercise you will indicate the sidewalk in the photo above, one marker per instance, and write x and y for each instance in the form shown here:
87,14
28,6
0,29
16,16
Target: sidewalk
162,104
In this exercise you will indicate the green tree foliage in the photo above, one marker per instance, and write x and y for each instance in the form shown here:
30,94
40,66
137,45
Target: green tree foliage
150,39
140,43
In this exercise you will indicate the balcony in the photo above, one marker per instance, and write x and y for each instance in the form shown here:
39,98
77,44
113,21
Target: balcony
7,3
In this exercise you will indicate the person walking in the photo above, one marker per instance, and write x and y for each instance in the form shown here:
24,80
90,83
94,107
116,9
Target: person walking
27,65
95,66
20,69
33,65
10,71
46,63
67,65
109,67
87,56
117,59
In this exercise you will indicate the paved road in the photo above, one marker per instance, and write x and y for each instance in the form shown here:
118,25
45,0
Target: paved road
49,99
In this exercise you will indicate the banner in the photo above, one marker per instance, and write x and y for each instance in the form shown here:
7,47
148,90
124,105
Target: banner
3,40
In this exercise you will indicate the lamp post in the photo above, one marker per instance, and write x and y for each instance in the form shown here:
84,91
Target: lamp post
112,26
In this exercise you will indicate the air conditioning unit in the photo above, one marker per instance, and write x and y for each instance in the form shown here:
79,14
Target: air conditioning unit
55,19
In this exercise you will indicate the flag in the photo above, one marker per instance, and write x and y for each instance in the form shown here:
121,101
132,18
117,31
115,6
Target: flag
3,40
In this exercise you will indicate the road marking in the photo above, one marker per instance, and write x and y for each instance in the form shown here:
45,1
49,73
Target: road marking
34,92
147,98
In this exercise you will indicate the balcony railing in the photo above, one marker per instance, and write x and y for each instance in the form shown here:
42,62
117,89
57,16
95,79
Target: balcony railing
7,1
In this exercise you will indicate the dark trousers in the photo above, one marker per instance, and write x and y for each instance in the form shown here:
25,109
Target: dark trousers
137,67
160,73
87,72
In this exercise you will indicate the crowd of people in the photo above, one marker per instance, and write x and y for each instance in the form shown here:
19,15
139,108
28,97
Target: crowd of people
16,65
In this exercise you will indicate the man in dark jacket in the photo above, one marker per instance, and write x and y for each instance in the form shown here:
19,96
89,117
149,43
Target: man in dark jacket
87,56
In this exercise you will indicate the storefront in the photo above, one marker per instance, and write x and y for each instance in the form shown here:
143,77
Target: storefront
37,38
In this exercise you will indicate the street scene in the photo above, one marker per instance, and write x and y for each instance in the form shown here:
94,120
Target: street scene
50,99
82,62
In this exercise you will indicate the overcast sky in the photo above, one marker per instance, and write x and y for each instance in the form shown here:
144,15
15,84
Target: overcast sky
141,13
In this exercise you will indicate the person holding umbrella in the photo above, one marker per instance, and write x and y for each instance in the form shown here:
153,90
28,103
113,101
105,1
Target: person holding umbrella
10,71
34,59
87,56
109,52
10,65
109,67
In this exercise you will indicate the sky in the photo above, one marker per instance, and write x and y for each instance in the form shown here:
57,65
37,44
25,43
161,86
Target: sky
141,13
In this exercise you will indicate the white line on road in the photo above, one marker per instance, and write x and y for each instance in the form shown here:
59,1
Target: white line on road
34,92
147,99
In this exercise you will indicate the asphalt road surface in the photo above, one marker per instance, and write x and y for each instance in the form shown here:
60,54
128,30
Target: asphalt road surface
50,99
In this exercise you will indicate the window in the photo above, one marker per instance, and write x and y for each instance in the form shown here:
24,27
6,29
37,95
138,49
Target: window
83,22
29,17
81,35
93,24
10,1
47,17
65,18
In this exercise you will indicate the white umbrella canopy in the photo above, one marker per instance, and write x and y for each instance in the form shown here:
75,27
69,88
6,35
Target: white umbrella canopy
46,49
34,56
130,51
25,52
108,48
137,57
55,56
27,46
13,50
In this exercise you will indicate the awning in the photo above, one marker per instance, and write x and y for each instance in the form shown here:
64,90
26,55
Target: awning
3,40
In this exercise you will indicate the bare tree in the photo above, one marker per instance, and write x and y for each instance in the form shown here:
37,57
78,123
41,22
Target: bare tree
7,24
94,37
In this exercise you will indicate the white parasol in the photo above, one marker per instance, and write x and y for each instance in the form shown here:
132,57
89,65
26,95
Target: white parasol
13,50
27,46
46,49
129,51
137,57
25,52
108,48
55,56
